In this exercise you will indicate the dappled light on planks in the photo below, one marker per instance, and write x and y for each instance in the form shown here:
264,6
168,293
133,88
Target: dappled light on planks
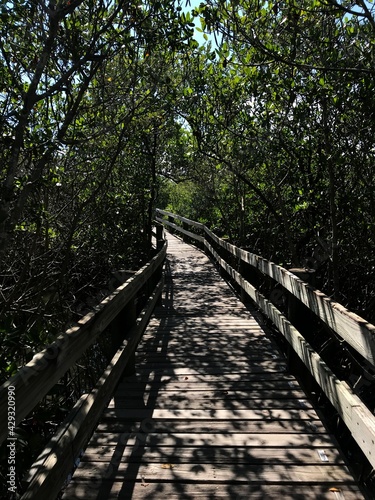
212,411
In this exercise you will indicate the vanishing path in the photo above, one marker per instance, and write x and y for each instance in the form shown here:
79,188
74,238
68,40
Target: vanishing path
212,411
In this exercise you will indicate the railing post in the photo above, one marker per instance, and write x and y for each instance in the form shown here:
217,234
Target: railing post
250,274
159,245
158,274
185,237
296,310
125,320
159,236
201,244
171,220
243,268
297,316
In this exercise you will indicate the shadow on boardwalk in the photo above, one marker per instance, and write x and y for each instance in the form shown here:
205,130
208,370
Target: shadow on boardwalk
211,412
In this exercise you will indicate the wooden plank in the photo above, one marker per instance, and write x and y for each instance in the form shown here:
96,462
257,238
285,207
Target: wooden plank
205,427
88,490
178,401
220,473
195,377
222,321
159,342
212,369
206,336
202,310
38,376
169,317
269,362
213,455
174,323
155,346
198,414
177,330
223,332
209,393
220,440
175,351
216,387
250,357
220,332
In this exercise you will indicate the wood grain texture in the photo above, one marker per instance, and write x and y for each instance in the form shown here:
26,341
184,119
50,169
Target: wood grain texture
212,411
191,491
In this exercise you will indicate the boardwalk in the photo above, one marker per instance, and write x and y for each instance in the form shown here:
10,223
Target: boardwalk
211,412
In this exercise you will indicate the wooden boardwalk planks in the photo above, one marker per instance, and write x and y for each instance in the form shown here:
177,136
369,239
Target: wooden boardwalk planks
211,412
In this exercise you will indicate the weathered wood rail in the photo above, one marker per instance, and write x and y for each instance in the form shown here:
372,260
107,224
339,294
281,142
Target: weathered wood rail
33,382
352,329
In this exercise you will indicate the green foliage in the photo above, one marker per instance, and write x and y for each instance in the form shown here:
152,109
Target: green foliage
84,113
265,133
188,198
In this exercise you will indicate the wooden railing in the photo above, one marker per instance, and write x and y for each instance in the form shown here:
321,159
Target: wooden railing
39,376
244,268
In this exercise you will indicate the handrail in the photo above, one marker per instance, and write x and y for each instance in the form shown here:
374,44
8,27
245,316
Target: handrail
48,366
73,435
350,327
355,330
35,379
